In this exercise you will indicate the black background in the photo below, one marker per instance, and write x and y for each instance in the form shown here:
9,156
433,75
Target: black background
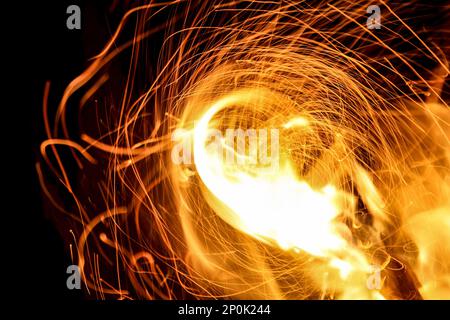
59,55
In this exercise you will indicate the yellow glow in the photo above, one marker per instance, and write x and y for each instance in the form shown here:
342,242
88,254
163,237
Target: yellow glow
277,206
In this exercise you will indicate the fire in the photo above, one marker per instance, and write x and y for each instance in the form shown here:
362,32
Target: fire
274,205
283,161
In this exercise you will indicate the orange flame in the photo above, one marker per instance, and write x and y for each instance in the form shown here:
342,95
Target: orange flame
358,189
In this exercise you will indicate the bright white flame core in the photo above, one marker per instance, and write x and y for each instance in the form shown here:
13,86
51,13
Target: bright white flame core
276,206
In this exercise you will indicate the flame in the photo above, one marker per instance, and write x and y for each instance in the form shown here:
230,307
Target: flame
273,205
339,190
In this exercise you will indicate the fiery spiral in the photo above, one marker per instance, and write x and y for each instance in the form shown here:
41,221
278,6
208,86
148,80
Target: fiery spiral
356,174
